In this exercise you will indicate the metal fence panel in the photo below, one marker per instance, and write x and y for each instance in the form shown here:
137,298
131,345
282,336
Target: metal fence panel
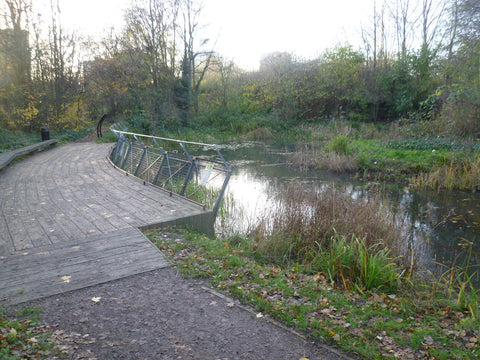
175,170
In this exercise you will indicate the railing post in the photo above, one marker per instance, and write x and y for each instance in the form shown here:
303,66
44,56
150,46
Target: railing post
216,207
142,157
165,155
190,170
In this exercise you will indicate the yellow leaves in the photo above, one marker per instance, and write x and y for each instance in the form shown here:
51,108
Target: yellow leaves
324,302
96,299
334,335
12,334
32,340
66,278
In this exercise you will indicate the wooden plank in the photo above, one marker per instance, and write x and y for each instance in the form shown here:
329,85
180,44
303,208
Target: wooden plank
100,259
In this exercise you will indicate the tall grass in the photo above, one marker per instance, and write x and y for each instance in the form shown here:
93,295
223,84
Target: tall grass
350,262
454,176
352,241
458,282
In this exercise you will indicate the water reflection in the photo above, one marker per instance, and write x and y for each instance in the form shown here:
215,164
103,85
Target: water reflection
436,222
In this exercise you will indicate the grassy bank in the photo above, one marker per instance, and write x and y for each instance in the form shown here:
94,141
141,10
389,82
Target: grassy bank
413,322
334,268
14,139
390,153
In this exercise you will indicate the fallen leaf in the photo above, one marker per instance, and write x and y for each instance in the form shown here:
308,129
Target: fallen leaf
231,304
96,299
66,278
428,340
259,315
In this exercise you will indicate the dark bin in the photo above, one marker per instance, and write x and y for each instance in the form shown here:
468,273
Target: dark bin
45,133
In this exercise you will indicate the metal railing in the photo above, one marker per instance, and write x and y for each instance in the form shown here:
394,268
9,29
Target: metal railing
171,165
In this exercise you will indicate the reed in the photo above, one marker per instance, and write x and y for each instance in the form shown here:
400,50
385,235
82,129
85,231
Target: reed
353,241
464,175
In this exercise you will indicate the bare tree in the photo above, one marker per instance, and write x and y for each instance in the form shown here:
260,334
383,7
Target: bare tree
15,13
150,34
469,19
402,12
196,60
431,19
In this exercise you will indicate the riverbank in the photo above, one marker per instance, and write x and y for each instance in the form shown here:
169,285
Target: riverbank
419,322
390,153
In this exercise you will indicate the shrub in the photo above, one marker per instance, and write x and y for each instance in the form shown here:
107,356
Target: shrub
460,113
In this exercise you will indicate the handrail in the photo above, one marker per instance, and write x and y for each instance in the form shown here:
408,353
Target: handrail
173,171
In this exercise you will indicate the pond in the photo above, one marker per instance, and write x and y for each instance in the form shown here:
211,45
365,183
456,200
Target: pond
437,222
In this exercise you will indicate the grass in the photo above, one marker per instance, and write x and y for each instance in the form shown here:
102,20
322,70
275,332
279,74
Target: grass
15,139
11,140
409,323
391,154
305,220
25,338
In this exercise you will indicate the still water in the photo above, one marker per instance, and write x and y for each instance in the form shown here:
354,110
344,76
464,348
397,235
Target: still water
437,222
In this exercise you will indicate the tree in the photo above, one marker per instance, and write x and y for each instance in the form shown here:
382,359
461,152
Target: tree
196,60
15,63
149,39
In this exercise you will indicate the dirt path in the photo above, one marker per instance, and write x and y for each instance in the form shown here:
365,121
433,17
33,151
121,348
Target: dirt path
160,315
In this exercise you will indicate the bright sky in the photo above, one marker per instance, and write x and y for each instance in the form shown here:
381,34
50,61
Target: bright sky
246,30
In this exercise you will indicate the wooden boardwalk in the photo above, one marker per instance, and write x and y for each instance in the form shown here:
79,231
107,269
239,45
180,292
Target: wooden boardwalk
68,220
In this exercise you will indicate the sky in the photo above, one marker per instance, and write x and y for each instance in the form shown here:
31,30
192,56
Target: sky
246,30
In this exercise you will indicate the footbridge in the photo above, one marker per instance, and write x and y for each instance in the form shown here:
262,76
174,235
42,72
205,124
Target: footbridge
71,216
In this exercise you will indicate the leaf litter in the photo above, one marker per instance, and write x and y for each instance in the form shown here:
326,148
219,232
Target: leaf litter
363,323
